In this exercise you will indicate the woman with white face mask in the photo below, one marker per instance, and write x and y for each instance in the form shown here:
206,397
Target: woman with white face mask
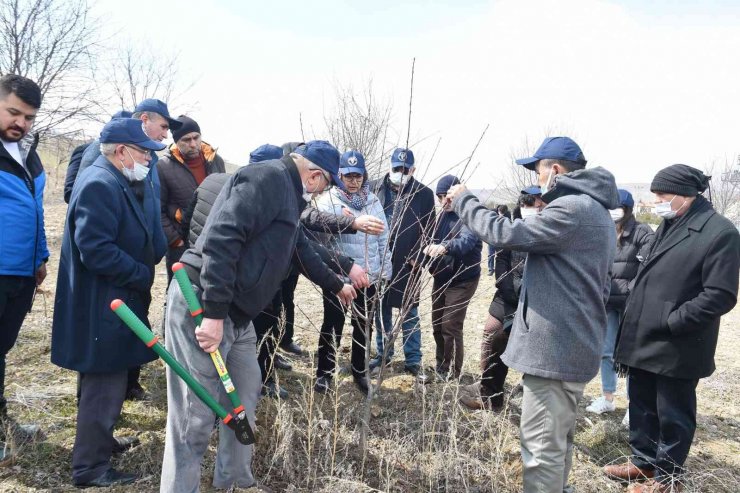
632,237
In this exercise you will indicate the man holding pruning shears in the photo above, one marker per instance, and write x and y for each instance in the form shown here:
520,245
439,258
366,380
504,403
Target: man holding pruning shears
236,266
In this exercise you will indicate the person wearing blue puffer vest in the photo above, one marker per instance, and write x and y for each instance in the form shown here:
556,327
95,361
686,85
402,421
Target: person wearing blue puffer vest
23,251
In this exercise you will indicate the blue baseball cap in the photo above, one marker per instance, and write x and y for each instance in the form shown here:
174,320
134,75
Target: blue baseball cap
625,198
160,108
265,153
352,162
121,114
402,157
532,190
128,131
555,148
325,156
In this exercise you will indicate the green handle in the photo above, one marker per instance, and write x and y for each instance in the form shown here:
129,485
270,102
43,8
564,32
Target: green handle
181,275
152,341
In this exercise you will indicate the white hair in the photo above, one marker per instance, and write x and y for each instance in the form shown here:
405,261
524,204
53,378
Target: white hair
108,149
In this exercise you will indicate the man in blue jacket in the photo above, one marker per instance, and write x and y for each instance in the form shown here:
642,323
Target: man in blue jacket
458,254
23,252
112,240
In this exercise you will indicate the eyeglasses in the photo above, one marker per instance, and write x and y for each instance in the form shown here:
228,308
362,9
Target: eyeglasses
353,178
401,169
137,149
324,175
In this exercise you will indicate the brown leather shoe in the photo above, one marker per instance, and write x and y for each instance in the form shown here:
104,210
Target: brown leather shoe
651,486
627,472
473,402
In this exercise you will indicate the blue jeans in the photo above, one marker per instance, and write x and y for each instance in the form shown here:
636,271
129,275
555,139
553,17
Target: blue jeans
491,258
608,375
409,327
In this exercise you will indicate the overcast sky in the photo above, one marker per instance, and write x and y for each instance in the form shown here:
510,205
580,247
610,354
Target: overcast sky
640,85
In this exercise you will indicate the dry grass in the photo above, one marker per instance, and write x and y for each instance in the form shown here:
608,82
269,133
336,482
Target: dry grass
420,439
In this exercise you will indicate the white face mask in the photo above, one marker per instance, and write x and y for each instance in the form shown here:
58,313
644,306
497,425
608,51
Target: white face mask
617,214
139,172
529,212
398,178
307,196
546,187
663,209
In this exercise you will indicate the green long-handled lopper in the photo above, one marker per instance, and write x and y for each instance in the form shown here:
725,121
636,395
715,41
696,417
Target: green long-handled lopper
236,421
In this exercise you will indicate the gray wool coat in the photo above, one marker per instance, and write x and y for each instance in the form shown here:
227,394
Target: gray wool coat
560,322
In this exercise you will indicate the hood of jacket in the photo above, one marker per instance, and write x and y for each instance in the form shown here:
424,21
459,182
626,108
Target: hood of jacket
598,183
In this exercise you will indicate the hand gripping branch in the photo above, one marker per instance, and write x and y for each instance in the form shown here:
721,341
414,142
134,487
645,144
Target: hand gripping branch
237,422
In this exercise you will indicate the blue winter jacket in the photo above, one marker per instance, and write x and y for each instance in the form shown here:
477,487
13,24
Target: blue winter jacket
22,237
461,244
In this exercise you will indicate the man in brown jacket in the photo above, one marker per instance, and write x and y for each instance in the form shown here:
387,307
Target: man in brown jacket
181,170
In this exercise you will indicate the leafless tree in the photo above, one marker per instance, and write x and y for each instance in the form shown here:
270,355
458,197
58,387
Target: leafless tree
137,72
725,186
360,120
51,42
516,177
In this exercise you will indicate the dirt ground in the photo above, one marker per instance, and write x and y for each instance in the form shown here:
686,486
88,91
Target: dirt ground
419,438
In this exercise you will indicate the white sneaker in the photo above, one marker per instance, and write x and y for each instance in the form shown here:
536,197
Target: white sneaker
626,419
601,406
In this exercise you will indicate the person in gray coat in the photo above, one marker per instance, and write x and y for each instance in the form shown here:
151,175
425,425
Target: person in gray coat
560,321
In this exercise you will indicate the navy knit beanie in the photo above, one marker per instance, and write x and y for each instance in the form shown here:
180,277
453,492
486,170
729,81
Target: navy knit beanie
444,183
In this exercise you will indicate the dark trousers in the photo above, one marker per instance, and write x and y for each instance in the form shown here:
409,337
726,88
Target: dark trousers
266,327
662,421
16,297
491,259
331,331
449,306
288,304
493,370
101,400
171,258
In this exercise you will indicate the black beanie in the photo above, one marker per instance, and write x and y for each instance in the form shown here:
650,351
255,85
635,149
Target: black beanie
680,179
188,125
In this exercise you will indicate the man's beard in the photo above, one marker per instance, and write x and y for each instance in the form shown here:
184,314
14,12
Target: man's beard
7,138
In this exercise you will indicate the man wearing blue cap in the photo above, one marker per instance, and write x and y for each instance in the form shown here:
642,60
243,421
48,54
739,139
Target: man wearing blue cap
409,211
75,159
112,240
560,322
236,266
156,122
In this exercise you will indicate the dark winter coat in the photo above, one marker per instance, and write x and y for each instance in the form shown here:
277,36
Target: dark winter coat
635,236
72,169
243,252
178,185
411,227
509,270
688,280
111,244
463,248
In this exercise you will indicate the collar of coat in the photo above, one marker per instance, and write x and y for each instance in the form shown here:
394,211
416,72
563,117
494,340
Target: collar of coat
296,178
208,151
694,220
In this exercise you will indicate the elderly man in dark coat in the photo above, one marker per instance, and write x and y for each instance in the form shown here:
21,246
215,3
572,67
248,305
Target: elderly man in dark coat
688,279
409,212
112,240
